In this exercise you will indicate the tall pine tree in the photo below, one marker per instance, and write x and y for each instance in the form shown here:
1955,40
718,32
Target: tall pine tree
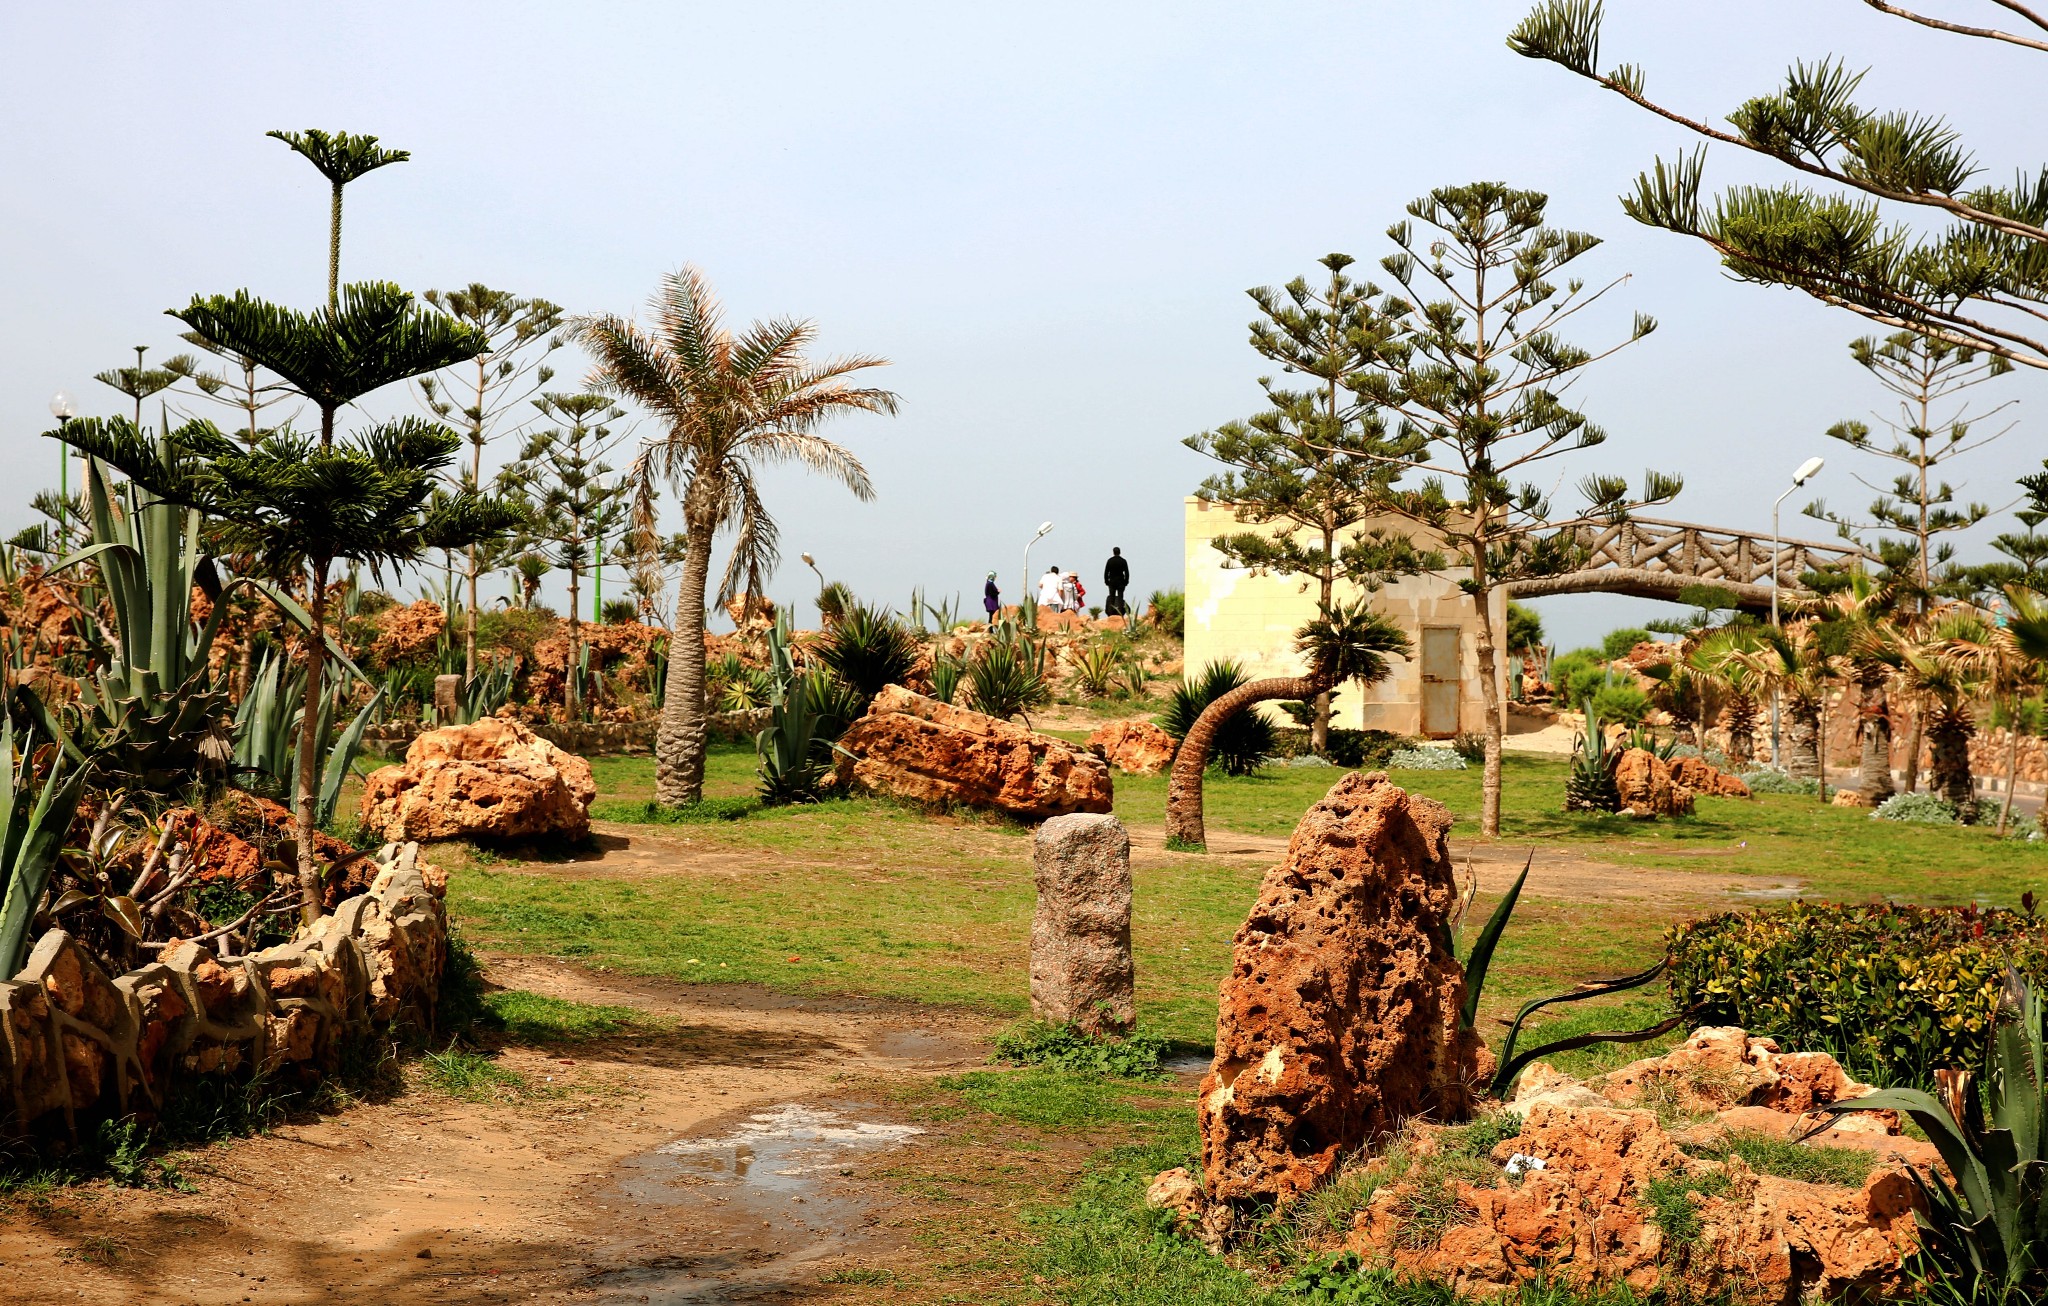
1314,468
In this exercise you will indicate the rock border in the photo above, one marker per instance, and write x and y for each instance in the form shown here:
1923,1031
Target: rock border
77,1043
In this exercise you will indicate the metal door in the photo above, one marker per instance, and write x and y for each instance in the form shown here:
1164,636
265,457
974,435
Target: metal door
1440,681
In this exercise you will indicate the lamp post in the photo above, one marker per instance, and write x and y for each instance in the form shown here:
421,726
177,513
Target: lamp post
1807,471
63,409
1043,528
812,563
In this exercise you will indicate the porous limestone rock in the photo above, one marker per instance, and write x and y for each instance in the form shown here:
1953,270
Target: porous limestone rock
1134,747
1585,1217
1850,798
1704,778
1339,1019
920,749
493,779
1646,786
1081,971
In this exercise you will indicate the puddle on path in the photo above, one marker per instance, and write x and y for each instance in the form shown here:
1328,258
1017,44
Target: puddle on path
737,1217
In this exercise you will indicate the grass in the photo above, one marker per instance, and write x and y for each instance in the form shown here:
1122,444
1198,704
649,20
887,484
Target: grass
531,1018
1060,1100
1066,1047
1843,1167
1669,1198
473,1077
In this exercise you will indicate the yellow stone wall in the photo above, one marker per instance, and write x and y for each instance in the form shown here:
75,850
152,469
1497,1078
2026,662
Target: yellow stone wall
1252,619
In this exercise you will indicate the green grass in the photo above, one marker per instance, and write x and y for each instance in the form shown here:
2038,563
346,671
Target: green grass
1063,1100
1844,1167
1669,1198
532,1018
472,1077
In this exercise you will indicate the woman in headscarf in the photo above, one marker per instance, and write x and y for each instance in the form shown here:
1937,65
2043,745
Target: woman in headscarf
991,598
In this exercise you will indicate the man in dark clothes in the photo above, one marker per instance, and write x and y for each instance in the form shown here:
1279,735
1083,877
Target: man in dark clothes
1116,573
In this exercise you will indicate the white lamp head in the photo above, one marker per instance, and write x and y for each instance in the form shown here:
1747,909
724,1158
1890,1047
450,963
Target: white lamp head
1808,470
61,406
1043,527
809,561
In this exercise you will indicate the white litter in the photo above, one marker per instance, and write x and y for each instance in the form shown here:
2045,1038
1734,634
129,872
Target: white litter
1522,1163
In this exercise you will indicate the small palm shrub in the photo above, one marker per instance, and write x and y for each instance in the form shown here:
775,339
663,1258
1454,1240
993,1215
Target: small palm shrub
620,612
834,602
1244,742
869,649
1006,679
1920,809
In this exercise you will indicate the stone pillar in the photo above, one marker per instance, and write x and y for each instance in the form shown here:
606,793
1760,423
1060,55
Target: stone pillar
1081,933
447,699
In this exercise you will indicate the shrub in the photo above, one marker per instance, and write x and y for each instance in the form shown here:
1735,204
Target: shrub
1525,627
1578,675
1920,809
1245,740
513,630
1007,679
1770,780
621,612
1066,1047
1167,610
1621,702
1426,759
868,649
1894,992
1617,643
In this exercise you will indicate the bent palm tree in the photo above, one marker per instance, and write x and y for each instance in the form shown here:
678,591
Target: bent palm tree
1349,642
729,404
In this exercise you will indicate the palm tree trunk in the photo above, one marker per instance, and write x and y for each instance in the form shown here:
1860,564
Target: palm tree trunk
1948,738
311,900
1184,788
1803,758
1741,727
1913,745
1876,761
679,746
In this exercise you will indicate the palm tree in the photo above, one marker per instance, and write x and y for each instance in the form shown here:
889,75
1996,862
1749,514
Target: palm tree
1719,660
1789,661
2008,660
728,405
1941,670
1863,613
1349,642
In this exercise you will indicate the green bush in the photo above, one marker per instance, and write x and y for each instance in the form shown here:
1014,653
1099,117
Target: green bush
1525,627
1068,1048
1168,611
1894,992
513,630
1578,675
1919,809
1770,780
1617,643
1620,701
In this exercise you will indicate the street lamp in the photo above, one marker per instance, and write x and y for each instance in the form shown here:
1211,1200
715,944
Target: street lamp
1807,471
812,563
63,409
1043,528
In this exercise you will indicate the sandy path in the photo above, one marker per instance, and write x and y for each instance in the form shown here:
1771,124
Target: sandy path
425,1199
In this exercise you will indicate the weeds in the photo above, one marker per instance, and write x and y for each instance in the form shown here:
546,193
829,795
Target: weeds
858,1275
473,1077
705,812
1670,1199
1068,1048
1843,1167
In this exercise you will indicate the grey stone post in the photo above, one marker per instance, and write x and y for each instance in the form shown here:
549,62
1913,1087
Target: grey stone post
447,699
1081,968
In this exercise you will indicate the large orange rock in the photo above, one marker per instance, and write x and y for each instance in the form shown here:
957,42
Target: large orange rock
1340,1016
920,749
1134,747
1703,777
1646,786
493,779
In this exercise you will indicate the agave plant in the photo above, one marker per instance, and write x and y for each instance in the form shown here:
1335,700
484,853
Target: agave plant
1096,667
791,762
33,824
1589,785
945,677
869,649
1007,679
1132,678
490,689
266,730
1985,1239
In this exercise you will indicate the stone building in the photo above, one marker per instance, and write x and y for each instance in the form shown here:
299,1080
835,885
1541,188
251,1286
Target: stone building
1251,620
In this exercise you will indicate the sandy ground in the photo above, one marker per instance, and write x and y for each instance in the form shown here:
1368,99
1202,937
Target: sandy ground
638,1183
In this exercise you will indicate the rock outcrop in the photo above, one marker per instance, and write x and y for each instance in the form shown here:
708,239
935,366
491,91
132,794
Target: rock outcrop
491,779
1585,1214
1134,747
1340,1016
925,751
1081,971
1706,779
1646,787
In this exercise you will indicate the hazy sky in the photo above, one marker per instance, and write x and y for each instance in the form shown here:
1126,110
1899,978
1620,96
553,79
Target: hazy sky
1046,215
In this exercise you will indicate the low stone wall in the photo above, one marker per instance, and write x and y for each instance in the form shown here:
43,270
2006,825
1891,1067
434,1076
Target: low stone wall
77,1045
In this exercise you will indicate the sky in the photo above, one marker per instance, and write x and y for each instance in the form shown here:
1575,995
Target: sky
1046,216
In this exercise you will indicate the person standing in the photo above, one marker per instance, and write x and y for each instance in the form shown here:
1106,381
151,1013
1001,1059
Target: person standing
1070,594
1049,589
1116,575
991,598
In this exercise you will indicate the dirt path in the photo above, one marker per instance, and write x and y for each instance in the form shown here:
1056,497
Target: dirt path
726,1155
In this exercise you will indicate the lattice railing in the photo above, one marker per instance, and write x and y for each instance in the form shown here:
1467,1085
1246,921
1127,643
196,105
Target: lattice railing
1705,553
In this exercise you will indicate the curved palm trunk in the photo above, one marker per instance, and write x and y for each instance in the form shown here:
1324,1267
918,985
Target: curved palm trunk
679,746
1875,763
312,904
1184,789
